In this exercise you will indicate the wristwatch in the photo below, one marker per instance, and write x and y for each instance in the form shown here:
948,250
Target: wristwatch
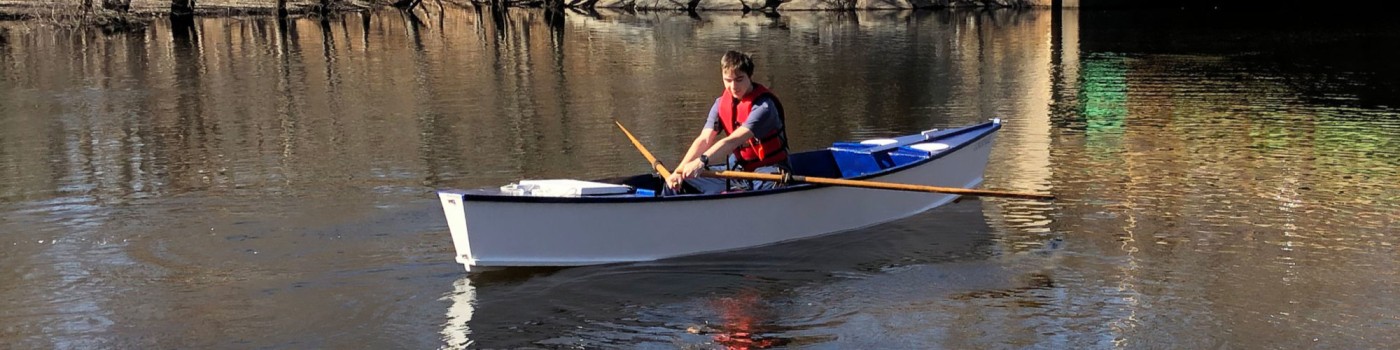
704,161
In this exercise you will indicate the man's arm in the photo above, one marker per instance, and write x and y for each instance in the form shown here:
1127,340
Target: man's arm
692,167
706,137
722,148
702,143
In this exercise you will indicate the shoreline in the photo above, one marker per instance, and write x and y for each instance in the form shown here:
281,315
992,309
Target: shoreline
143,9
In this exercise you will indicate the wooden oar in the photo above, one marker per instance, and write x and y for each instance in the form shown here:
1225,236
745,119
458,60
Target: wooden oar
871,184
660,168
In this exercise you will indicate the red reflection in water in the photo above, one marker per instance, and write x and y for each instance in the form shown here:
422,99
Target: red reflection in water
742,315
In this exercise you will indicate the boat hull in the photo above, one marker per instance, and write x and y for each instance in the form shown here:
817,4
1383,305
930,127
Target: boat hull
503,233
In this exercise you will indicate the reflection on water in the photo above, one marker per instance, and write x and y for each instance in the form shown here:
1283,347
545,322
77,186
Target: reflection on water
793,294
253,182
457,332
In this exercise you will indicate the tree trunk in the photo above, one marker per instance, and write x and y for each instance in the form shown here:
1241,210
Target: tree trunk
181,7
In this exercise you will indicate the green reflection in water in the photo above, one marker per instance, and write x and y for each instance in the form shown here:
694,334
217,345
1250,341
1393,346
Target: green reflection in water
1104,92
1277,133
1350,146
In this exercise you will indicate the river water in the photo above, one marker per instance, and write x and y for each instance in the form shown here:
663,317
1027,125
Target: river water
1225,180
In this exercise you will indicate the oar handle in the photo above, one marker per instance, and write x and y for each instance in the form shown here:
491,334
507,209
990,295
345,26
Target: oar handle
872,184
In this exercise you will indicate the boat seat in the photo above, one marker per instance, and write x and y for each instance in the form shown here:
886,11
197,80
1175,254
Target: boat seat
930,147
854,159
879,142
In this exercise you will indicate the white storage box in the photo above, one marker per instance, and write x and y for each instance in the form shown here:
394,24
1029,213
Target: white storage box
563,188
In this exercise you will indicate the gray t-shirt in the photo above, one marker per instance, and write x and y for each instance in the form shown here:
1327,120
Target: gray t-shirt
763,118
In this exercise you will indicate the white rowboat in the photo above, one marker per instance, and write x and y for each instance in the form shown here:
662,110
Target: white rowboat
571,223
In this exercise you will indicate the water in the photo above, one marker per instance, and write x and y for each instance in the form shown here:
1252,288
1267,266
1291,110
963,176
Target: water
1224,180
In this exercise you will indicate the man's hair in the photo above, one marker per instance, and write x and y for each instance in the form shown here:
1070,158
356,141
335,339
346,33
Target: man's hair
736,59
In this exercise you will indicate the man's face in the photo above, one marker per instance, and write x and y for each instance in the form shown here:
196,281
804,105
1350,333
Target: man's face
737,82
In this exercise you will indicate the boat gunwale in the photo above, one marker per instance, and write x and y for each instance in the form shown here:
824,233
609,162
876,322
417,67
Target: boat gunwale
468,196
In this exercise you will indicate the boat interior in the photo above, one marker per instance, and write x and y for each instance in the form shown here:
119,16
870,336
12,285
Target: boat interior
842,159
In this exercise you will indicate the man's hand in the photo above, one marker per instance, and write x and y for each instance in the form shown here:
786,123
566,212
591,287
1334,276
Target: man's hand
688,170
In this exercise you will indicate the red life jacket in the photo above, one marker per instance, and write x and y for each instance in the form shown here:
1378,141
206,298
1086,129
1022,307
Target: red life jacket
761,150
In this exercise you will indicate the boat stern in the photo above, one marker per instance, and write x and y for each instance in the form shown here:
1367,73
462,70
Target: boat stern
454,207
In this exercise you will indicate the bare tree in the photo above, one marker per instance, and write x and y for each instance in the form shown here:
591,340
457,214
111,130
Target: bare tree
117,5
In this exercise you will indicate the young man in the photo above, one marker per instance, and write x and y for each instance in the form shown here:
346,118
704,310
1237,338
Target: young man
755,136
